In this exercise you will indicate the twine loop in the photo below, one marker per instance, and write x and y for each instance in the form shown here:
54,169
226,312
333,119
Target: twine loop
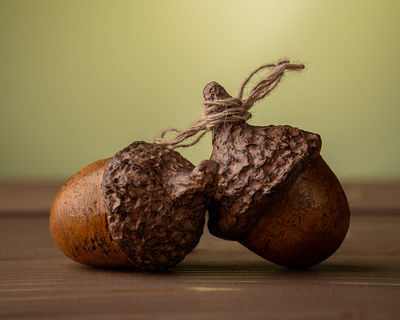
230,110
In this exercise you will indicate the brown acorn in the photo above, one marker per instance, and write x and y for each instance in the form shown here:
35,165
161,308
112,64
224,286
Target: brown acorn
275,195
143,208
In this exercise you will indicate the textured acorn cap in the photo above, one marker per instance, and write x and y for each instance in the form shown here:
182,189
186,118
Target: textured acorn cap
256,162
156,204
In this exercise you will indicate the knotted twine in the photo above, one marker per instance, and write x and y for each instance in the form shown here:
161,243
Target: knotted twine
229,110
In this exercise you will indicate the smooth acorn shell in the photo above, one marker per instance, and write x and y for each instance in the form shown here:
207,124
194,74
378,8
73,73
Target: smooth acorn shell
78,220
305,224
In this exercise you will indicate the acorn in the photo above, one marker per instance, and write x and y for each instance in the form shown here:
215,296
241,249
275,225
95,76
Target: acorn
275,194
143,208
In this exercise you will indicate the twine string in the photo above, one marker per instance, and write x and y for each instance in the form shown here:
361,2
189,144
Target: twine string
230,110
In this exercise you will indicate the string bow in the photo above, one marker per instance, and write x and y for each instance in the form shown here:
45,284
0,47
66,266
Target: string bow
231,109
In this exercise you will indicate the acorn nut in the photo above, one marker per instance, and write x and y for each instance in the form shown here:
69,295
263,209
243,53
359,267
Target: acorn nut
143,208
275,195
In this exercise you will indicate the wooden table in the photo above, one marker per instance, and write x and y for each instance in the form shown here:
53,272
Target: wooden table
218,280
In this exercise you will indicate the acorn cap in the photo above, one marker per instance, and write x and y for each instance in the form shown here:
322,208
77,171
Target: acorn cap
256,162
151,218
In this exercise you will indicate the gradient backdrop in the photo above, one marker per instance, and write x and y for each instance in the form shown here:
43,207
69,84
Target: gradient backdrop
82,79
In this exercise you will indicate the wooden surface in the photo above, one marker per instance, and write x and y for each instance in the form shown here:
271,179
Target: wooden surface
36,197
219,280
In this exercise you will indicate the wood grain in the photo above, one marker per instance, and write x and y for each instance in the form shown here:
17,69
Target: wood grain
34,198
219,280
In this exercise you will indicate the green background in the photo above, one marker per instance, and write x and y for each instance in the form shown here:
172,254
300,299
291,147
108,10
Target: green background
82,79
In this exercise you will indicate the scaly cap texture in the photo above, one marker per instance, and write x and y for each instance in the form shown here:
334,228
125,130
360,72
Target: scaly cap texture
157,203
